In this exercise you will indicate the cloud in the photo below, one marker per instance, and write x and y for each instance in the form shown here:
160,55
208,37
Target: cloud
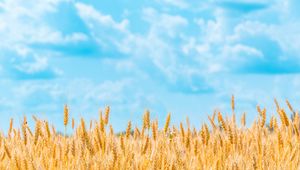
164,24
154,53
66,19
279,55
88,12
246,44
160,54
26,64
19,18
26,24
105,31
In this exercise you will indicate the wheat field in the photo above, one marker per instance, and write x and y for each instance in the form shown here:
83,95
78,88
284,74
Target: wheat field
222,143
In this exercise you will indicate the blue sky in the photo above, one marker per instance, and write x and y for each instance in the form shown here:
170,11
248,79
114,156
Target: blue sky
178,56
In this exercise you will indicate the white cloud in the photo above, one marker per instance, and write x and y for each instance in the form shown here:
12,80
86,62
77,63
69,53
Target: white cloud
40,63
107,32
154,51
91,15
224,39
169,51
54,37
24,22
288,40
235,52
162,23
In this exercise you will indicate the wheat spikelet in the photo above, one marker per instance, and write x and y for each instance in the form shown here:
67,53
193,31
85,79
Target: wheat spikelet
73,148
98,136
259,144
188,122
258,109
243,119
128,130
11,122
202,133
188,138
7,151
106,118
146,120
271,123
122,144
115,154
166,127
53,151
283,117
296,119
53,130
66,115
196,147
145,146
262,113
85,138
277,104
275,125
212,122
296,129
221,121
207,134
137,133
231,136
47,129
37,131
293,155
24,132
203,136
290,107
233,109
182,132
111,130
102,124
154,130
83,130
17,164
280,140
66,151
91,124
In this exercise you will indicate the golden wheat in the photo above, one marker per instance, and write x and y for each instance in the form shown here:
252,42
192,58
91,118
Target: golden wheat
223,145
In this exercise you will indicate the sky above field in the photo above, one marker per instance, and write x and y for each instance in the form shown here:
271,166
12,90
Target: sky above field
186,57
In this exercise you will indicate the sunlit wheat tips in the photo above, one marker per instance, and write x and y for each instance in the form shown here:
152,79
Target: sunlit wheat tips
66,115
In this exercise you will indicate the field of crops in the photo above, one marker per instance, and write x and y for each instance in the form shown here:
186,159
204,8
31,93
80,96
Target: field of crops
222,143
